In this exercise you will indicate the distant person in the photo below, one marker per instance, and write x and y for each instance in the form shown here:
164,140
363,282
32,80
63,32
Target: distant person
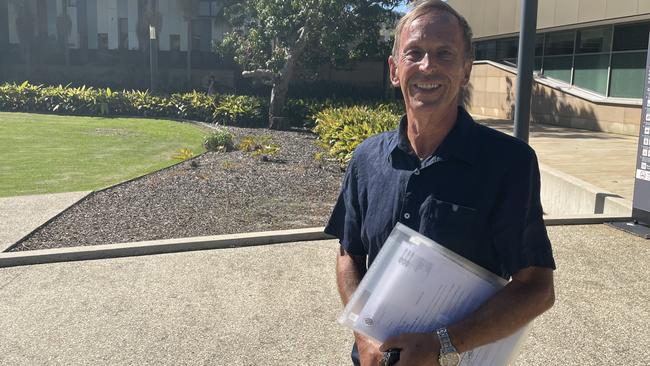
470,188
212,86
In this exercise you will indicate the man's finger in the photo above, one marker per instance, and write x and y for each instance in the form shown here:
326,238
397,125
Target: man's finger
391,343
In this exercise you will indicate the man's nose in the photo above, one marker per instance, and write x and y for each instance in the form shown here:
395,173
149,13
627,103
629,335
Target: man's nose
428,63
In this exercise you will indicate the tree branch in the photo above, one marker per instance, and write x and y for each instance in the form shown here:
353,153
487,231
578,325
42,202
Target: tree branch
265,76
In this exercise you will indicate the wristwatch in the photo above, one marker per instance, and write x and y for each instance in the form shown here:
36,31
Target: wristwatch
448,354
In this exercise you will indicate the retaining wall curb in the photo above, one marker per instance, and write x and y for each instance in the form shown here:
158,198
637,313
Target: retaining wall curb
92,252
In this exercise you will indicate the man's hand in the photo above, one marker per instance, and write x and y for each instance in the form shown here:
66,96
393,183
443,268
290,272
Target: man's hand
369,353
418,349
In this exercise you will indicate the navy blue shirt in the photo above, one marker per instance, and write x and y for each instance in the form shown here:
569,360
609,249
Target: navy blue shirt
477,195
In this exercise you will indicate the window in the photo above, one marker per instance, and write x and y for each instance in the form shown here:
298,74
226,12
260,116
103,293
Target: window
631,37
558,68
507,48
123,31
594,40
591,72
485,50
102,41
628,75
174,42
539,45
560,43
209,8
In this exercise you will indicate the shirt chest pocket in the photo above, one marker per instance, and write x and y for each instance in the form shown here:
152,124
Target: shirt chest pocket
451,225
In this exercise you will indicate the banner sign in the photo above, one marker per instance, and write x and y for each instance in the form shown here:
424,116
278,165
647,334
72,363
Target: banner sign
641,201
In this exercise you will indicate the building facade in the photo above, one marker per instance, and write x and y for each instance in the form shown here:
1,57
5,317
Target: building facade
593,50
104,33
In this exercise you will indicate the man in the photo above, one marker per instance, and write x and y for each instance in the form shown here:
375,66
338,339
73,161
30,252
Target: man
468,187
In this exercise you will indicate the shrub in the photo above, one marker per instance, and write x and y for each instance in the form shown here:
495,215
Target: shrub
240,110
341,130
220,140
259,146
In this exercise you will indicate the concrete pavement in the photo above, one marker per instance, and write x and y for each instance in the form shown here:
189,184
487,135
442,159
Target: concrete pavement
603,159
21,215
277,305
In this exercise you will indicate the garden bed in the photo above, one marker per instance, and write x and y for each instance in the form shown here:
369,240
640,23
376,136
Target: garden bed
215,193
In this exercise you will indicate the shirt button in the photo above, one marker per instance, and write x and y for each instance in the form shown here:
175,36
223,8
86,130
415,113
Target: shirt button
407,215
417,172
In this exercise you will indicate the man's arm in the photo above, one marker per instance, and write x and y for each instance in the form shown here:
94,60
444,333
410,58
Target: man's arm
350,269
529,294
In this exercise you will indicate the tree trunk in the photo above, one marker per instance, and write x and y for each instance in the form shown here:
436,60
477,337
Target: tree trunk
276,106
281,82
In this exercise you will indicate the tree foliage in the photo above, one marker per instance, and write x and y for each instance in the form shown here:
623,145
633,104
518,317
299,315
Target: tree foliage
271,37
338,30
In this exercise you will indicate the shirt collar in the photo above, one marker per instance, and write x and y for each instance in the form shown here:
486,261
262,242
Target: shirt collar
459,143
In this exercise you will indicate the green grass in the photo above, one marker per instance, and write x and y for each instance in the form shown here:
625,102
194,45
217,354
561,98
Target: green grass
48,154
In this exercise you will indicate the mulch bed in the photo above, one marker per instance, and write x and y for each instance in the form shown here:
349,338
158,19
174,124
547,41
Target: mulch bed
215,193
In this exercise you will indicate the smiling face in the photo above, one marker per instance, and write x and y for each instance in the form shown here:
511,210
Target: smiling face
431,65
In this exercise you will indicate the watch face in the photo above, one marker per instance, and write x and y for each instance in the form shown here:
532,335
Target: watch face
449,359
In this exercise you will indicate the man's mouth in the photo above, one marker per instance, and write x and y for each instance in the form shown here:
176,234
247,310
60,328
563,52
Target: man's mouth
427,86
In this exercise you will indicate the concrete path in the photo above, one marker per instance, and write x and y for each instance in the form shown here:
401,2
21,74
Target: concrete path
21,215
277,305
603,159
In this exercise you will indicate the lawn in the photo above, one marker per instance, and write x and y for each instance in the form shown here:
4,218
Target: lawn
48,154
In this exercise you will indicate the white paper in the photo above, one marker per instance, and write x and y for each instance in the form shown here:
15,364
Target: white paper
416,285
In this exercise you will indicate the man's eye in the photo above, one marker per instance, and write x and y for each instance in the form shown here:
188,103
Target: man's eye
445,53
413,55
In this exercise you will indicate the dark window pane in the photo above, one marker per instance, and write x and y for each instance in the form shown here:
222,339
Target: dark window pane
539,45
538,64
560,43
628,75
123,31
591,72
174,42
558,68
631,37
485,50
594,40
507,48
102,41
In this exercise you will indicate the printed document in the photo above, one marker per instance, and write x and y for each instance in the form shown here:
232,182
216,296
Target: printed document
417,285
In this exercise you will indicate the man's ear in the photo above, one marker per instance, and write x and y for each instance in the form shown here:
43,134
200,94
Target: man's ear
468,71
392,66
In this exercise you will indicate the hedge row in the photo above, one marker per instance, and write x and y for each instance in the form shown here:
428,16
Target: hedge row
341,130
236,110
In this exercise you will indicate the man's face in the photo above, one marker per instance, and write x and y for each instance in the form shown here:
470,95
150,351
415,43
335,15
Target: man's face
431,66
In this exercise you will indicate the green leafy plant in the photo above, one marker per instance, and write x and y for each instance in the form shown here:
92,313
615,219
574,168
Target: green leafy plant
184,154
341,130
220,140
259,146
239,110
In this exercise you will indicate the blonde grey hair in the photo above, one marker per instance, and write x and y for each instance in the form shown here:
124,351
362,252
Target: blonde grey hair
422,7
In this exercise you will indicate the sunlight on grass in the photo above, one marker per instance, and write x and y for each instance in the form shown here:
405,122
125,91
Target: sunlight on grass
49,154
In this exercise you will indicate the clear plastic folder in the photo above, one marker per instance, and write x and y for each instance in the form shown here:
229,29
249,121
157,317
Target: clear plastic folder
417,285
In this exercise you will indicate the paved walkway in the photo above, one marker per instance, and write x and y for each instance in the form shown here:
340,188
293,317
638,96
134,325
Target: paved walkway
277,305
603,159
21,215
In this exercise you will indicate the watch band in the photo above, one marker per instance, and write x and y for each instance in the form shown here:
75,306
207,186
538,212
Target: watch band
449,356
445,341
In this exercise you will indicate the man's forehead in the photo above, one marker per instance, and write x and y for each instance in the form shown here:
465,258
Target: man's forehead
434,16
418,28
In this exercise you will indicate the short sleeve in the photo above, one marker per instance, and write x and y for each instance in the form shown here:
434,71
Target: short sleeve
345,221
517,223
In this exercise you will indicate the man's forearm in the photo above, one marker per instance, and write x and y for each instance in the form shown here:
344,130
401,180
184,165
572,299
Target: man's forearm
528,295
349,272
